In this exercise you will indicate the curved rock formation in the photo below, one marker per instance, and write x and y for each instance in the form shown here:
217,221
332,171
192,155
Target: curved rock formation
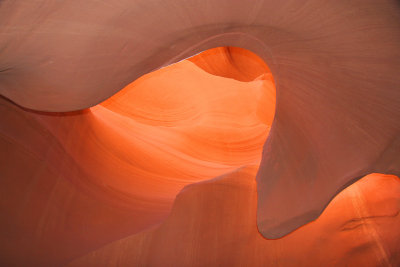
358,228
335,65
71,182
72,168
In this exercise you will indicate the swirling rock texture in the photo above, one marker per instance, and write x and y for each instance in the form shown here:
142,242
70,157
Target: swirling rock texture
75,181
163,172
204,229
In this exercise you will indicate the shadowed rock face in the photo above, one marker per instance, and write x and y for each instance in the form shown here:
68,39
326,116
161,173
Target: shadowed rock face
358,228
335,65
73,182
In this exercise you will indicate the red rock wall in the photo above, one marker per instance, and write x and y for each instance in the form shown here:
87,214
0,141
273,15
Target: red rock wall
98,187
213,224
72,182
334,63
84,163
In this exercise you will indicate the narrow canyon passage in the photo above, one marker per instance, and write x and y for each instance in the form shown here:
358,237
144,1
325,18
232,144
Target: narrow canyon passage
163,174
75,181
200,133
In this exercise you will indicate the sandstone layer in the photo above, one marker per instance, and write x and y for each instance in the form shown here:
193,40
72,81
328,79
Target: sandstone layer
335,65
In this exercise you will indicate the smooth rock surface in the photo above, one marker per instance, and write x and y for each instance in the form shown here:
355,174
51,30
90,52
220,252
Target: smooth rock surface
73,182
335,64
213,224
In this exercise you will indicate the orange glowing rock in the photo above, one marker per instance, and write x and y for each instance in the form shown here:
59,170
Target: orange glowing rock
75,181
98,186
335,65
213,223
231,62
